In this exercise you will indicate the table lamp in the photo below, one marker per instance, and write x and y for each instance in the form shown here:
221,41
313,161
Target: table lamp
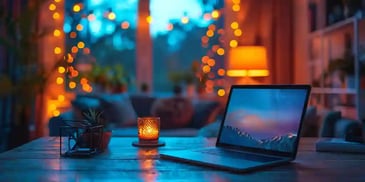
247,61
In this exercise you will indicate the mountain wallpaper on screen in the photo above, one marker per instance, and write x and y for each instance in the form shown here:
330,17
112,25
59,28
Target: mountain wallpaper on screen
284,143
266,118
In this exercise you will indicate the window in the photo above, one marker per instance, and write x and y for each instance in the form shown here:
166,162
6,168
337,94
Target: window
187,35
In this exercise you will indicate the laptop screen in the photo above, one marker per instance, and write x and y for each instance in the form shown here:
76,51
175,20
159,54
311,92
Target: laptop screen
264,117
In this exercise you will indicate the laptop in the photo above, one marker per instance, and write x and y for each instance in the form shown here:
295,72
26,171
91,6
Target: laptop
260,128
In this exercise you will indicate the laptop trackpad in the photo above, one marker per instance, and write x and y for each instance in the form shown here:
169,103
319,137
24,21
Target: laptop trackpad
221,160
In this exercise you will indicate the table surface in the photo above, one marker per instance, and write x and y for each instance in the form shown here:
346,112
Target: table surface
39,160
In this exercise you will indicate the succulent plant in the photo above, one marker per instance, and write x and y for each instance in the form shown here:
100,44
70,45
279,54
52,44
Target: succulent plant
93,117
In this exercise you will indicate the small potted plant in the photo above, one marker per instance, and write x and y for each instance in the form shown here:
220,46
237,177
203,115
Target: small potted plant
91,132
93,119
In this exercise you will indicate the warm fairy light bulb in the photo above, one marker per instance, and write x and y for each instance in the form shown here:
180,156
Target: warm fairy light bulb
59,80
125,25
206,69
149,19
221,72
70,59
84,81
80,45
72,85
221,92
236,8
184,20
234,25
73,35
237,32
170,26
91,17
61,69
210,33
86,50
56,33
215,14
56,15
61,98
233,43
57,50
76,8
56,113
79,27
220,51
111,16
74,49
211,62
205,59
52,7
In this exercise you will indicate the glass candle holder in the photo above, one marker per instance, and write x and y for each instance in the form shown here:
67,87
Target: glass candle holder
148,129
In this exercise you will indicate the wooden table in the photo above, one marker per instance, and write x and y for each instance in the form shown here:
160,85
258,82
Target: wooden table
39,160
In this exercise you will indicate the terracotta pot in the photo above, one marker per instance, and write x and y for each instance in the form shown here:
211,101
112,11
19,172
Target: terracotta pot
97,141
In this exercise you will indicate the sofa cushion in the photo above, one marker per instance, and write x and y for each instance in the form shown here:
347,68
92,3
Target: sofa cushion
175,112
205,112
118,110
84,102
142,104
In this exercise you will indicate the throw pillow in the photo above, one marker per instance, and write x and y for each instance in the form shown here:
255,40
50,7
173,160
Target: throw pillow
118,110
173,112
205,112
82,103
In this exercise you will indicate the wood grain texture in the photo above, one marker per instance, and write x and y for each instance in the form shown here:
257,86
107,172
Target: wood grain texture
39,160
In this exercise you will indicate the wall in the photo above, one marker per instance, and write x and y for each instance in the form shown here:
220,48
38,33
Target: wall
300,28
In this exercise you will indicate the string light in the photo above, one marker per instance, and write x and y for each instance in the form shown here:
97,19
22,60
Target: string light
220,51
59,80
73,35
221,72
56,15
124,25
237,32
215,14
56,33
111,16
91,17
57,50
149,19
61,70
80,45
236,7
234,25
184,20
221,92
233,43
76,8
56,113
52,7
79,27
72,85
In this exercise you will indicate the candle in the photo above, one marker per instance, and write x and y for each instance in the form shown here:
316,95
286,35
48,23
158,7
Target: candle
148,129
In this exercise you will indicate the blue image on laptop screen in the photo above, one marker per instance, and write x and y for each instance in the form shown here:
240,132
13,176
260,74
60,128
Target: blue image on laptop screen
263,118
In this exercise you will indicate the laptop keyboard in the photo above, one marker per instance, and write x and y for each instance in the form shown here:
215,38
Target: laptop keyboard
238,155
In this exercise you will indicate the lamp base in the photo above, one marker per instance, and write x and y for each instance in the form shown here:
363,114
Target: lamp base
148,144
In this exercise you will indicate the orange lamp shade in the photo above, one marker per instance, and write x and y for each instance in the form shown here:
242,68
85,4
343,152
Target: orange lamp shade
148,129
247,61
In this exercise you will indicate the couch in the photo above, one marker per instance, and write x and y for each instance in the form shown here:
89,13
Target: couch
335,125
121,111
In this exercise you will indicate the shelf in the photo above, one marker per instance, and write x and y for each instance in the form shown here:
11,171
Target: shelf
319,90
333,27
